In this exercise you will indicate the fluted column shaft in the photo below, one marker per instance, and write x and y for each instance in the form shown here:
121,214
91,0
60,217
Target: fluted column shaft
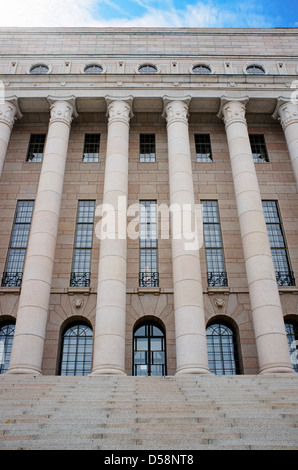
8,113
287,112
28,344
271,341
109,342
191,345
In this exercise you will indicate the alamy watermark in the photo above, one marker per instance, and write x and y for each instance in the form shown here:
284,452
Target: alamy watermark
177,222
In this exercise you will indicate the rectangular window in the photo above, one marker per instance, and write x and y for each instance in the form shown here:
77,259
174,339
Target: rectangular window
91,148
258,148
216,272
284,275
12,277
36,148
203,148
147,148
148,245
81,266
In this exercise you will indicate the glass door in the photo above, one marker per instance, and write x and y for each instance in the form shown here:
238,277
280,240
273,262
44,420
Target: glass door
149,357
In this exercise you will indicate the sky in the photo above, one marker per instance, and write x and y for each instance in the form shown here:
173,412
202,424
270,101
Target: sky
149,13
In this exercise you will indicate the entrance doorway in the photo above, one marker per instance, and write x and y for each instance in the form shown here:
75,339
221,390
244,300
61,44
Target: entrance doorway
149,350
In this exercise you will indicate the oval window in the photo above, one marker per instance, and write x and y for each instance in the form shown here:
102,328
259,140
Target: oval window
255,70
201,69
39,69
147,68
93,69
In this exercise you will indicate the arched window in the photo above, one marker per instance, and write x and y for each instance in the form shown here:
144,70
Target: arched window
292,336
39,69
147,68
76,353
201,69
255,70
93,69
222,350
149,350
6,339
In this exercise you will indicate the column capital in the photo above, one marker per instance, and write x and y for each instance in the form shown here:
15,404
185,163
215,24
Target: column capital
176,109
62,109
119,109
286,112
10,111
233,110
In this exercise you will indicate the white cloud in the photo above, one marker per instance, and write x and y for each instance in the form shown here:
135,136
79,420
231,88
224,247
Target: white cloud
47,13
84,13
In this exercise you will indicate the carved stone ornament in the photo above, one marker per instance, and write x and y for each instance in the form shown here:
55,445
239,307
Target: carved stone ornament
8,113
233,111
176,111
78,303
119,111
62,111
287,113
218,302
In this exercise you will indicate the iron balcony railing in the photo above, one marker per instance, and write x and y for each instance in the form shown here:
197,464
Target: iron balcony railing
285,278
80,279
217,279
10,279
148,279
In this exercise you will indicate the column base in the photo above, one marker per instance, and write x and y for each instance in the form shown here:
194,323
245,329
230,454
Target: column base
108,371
277,370
23,371
193,370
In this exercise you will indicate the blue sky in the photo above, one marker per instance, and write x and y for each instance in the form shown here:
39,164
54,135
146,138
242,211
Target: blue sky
150,13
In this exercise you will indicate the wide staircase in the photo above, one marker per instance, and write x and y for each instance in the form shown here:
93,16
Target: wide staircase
134,413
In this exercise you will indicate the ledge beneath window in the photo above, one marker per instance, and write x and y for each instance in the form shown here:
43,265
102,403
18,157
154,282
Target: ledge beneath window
149,290
10,290
288,290
79,290
217,289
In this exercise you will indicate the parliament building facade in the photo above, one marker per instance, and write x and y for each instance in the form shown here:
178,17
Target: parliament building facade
111,140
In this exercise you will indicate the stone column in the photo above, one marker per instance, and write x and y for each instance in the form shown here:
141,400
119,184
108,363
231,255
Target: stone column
28,344
271,341
109,341
287,113
9,112
190,328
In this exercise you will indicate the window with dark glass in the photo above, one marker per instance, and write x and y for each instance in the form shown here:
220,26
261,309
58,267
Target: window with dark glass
12,276
36,148
279,251
76,354
222,349
149,354
203,148
292,337
148,276
216,272
91,148
6,340
80,276
147,148
258,148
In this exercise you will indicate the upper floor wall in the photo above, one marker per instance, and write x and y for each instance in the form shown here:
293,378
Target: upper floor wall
225,51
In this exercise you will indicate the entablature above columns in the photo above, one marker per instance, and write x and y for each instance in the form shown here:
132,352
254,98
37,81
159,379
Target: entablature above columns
199,101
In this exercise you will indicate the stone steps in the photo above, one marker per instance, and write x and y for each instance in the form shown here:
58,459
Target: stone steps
133,413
